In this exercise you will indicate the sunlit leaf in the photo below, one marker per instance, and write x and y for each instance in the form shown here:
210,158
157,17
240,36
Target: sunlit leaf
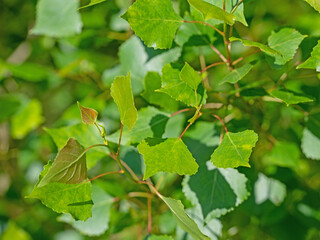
315,4
313,62
290,97
237,74
88,115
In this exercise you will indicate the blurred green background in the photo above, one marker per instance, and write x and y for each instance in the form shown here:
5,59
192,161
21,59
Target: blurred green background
42,78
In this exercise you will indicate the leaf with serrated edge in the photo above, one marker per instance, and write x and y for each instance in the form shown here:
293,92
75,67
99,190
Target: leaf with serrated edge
235,149
262,47
190,76
290,97
211,11
88,115
286,41
154,21
166,155
69,165
121,93
237,74
313,62
315,4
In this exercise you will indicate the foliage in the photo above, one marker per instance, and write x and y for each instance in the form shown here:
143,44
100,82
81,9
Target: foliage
159,119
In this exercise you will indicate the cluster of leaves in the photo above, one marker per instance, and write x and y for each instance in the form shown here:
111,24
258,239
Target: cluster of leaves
160,135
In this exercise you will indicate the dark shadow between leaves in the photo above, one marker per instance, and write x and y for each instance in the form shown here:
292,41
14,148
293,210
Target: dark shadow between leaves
158,125
81,203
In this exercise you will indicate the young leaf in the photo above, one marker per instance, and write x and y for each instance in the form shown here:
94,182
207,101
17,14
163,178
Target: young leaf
310,145
315,4
66,198
122,94
158,237
269,189
262,47
313,62
92,2
184,221
99,222
190,76
290,97
154,21
166,155
69,166
237,74
210,11
53,22
286,41
88,115
179,90
152,82
235,149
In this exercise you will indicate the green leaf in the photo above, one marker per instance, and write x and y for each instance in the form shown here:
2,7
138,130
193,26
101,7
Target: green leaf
150,123
310,145
189,76
92,3
9,105
283,154
313,123
262,47
179,90
269,189
53,22
122,94
184,221
290,97
152,82
166,155
88,115
235,149
66,198
69,166
315,4
210,11
286,41
99,222
14,232
28,118
154,21
237,74
158,237
313,62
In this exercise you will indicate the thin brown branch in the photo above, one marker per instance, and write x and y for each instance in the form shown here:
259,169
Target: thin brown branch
211,65
217,117
219,53
181,111
243,57
104,174
236,6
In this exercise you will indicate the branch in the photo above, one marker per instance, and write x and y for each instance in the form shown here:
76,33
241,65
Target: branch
217,117
219,53
211,65
104,174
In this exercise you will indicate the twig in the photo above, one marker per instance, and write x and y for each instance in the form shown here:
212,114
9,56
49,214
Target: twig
104,174
207,24
120,136
217,117
219,53
243,57
181,111
211,65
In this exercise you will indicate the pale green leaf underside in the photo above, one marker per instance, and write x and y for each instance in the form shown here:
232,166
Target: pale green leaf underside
184,221
121,93
92,3
290,97
69,165
190,76
66,198
310,145
313,62
286,41
237,74
154,21
315,4
262,47
235,149
210,11
166,155
54,22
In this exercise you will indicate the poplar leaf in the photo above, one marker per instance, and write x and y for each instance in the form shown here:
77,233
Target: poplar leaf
313,62
286,41
88,115
166,155
121,93
54,22
190,76
310,145
315,4
154,21
210,11
69,165
290,97
92,3
235,149
237,74
184,221
264,48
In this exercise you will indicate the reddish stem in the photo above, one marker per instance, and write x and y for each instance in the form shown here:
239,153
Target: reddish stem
219,53
217,117
149,215
152,187
181,111
185,130
247,55
104,174
212,65
207,24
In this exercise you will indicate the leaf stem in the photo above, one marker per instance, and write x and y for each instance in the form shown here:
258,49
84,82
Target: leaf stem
236,6
149,215
107,173
211,65
152,187
120,136
219,53
217,117
243,57
207,24
181,111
